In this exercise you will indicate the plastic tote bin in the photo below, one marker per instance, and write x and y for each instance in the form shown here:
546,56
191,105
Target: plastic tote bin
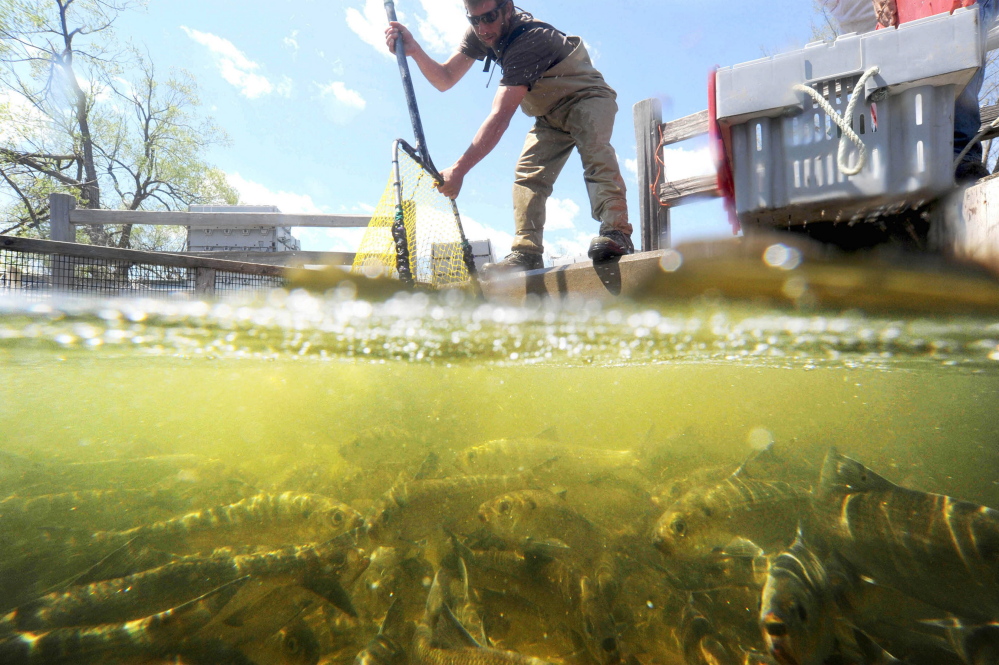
782,149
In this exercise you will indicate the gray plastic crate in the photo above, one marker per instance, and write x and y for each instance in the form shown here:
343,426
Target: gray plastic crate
254,239
783,147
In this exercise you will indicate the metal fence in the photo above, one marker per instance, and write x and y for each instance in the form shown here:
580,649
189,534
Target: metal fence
33,267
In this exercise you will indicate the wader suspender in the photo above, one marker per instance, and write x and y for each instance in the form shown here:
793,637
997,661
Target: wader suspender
516,32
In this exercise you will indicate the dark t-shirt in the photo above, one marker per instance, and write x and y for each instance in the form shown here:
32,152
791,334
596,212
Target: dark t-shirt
532,53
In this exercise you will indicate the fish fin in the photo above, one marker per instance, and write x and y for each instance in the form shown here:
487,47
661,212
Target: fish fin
393,624
742,547
764,456
329,589
560,492
549,434
547,544
843,474
429,468
450,634
871,652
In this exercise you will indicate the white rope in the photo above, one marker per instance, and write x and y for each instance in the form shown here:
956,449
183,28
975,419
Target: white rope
842,123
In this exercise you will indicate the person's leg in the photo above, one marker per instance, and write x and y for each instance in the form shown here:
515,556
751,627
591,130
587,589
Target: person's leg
591,124
967,113
545,153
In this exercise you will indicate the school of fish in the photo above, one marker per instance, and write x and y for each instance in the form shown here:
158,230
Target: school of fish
520,551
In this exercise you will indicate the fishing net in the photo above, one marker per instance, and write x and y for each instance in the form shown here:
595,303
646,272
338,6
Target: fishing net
434,252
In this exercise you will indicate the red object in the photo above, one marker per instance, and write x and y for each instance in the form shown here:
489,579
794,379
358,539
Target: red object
910,10
719,137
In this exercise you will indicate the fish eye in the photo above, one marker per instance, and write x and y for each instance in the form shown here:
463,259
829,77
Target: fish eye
706,511
609,644
504,507
337,517
471,456
802,613
679,527
291,645
339,558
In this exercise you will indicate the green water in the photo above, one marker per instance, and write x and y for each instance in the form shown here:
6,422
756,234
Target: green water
274,391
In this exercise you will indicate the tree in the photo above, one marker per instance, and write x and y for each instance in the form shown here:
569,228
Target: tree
83,114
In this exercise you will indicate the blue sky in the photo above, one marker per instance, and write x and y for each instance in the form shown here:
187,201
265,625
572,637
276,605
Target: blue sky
312,99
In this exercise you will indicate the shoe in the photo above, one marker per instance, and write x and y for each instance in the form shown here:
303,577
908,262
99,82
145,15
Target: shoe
970,171
610,245
515,261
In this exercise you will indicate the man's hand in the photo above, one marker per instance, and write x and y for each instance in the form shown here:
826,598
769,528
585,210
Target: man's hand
453,180
394,31
886,12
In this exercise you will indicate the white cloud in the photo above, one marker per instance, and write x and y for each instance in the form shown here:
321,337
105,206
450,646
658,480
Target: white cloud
234,66
631,166
255,193
439,28
443,26
474,230
285,87
560,214
313,239
369,24
340,102
682,163
291,42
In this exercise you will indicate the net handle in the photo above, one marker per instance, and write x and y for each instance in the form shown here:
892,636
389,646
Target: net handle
414,111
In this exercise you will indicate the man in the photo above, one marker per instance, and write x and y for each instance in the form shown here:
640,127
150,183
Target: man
550,77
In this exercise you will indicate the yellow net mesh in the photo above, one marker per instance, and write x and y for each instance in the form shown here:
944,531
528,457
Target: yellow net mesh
436,254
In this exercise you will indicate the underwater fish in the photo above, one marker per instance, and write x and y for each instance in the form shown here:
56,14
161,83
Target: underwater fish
324,569
700,642
413,509
934,548
294,644
90,509
448,643
264,519
799,607
569,463
976,644
527,516
706,519
157,635
385,445
388,647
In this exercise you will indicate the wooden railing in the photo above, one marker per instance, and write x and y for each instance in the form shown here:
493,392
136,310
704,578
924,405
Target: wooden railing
65,215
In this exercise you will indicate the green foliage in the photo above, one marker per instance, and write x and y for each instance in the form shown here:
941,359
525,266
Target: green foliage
98,121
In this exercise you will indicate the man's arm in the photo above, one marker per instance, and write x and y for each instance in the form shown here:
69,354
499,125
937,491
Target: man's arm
442,75
505,104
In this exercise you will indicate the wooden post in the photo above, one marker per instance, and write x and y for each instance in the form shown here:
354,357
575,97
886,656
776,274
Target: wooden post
654,218
59,226
204,282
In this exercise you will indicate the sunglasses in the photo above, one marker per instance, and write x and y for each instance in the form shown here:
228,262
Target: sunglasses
489,17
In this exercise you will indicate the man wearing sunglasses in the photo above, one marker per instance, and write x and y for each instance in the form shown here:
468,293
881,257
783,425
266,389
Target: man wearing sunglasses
548,75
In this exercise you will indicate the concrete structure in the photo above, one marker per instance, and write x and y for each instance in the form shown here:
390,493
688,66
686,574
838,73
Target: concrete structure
248,239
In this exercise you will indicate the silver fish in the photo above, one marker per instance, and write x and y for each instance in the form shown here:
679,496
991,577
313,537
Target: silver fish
799,608
934,548
705,520
264,519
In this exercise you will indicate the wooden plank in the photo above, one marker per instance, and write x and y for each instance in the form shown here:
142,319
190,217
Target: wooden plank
216,220
204,282
60,207
134,256
653,217
688,127
282,258
683,191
